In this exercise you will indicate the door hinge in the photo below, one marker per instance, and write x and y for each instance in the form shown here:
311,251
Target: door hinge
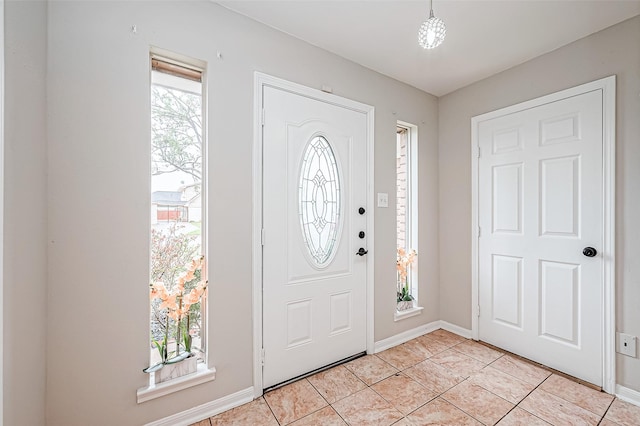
262,236
478,311
262,117
262,357
479,231
477,151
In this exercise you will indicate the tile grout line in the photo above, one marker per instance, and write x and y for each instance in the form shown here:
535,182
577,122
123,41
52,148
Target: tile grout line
485,366
469,414
327,401
523,398
607,410
467,378
271,409
586,409
544,367
532,390
441,394
400,371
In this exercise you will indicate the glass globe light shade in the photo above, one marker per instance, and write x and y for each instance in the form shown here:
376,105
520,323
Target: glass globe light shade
431,33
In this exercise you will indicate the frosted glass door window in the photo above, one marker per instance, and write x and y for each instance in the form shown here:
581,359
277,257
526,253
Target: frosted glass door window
319,200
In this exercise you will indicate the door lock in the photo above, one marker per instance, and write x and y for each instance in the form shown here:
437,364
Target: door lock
362,251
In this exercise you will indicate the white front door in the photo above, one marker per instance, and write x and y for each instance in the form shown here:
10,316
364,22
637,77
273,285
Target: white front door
540,207
314,211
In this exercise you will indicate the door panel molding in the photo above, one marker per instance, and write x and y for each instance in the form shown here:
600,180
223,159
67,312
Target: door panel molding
607,86
262,80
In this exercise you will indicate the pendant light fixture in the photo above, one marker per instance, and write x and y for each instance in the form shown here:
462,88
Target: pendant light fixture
432,31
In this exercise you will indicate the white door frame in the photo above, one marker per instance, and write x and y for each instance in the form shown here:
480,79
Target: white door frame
1,203
608,87
261,80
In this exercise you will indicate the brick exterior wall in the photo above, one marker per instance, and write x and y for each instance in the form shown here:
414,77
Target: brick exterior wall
401,188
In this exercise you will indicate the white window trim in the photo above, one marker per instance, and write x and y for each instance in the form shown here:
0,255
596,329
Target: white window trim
400,315
411,231
1,200
153,391
204,372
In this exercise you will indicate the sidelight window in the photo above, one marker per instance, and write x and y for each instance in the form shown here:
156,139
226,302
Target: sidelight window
406,216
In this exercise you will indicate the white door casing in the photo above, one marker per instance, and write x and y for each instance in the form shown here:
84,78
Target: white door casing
313,310
1,204
543,191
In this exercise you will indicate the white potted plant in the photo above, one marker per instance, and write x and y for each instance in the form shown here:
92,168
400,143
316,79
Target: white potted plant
405,299
180,301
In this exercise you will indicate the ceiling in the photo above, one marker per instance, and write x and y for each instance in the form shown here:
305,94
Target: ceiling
483,37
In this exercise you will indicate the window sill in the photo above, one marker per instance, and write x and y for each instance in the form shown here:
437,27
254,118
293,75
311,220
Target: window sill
400,315
153,391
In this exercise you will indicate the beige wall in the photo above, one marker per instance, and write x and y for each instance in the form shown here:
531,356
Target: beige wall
24,308
98,211
612,51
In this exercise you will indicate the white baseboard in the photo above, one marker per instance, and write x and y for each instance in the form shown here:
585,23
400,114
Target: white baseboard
405,336
456,329
201,412
628,395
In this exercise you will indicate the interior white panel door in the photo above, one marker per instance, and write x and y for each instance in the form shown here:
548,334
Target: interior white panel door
540,204
314,283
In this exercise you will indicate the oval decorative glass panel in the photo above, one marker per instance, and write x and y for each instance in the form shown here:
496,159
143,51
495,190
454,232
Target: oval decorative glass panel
319,200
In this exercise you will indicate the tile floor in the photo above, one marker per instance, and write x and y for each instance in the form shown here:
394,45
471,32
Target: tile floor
436,379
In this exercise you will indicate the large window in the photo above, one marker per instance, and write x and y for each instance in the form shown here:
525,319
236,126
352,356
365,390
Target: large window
406,214
177,262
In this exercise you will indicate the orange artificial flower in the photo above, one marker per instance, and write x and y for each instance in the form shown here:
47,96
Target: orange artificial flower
404,260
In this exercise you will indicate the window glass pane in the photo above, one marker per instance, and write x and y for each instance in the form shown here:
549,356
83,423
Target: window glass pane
176,213
319,200
407,290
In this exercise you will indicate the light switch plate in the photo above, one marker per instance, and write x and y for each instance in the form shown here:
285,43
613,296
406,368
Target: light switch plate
383,199
627,344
